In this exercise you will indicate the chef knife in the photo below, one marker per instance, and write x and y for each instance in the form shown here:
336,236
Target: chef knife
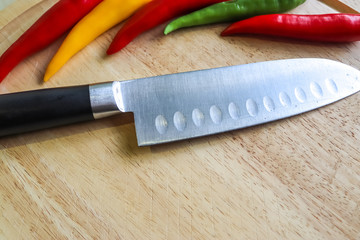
191,104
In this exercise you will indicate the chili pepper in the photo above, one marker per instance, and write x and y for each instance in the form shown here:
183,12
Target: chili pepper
106,15
323,27
229,11
49,27
152,15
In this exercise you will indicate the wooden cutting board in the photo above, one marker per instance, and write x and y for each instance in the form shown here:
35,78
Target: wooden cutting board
297,178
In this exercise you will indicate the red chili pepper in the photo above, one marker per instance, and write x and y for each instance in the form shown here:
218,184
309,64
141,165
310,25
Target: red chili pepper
152,15
325,27
50,26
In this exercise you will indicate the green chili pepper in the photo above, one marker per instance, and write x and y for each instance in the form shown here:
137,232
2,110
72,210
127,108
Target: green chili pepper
233,10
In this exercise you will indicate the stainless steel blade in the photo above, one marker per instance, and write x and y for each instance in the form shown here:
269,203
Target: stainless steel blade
192,104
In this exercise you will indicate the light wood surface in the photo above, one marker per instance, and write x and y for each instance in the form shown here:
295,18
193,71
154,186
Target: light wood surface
297,178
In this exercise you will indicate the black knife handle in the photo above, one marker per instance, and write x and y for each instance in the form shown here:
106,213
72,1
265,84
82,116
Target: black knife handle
41,109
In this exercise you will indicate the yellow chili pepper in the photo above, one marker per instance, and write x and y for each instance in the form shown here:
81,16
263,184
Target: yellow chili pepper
103,17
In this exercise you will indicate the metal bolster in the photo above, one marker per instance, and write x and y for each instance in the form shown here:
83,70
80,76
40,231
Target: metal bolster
104,99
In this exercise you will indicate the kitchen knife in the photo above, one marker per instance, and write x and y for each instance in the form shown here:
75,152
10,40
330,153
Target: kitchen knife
191,104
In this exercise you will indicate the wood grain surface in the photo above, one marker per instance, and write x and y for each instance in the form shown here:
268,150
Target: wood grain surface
297,178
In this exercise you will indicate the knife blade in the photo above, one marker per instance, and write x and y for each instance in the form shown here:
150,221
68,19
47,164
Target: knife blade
190,104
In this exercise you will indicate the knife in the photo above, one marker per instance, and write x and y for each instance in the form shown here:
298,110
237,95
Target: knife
191,104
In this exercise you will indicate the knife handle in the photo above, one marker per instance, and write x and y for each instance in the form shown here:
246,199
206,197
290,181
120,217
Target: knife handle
41,109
